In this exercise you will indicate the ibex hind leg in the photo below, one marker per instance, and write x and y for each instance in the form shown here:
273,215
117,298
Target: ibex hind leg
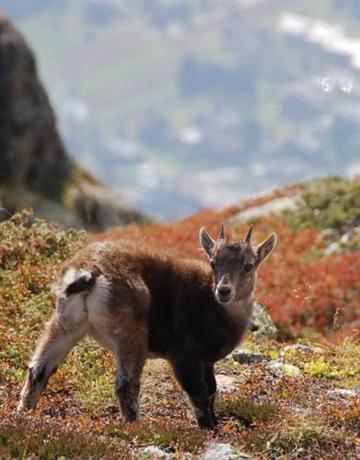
56,343
130,362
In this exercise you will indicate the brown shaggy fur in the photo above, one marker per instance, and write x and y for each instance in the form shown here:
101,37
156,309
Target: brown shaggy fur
143,303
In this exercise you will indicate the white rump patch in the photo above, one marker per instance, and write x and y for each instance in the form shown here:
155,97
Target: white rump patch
74,274
69,277
71,309
100,322
99,294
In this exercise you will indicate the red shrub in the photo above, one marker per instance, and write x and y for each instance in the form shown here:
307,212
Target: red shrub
300,287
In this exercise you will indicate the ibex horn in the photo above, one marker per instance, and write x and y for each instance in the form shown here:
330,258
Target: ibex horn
222,233
247,238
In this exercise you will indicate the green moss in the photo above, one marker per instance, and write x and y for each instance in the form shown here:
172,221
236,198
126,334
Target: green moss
320,368
339,362
327,203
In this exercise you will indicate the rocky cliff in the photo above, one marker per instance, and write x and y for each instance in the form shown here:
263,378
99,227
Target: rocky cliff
35,169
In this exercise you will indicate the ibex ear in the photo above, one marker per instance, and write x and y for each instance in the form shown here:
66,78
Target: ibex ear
206,241
265,248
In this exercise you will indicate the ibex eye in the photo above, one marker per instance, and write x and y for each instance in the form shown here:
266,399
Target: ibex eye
248,267
212,264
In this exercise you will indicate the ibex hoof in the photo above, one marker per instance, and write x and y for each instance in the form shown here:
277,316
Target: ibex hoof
22,407
25,404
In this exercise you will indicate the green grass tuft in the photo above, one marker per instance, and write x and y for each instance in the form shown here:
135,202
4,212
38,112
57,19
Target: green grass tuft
243,410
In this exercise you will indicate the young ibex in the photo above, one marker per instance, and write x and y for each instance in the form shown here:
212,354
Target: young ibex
141,303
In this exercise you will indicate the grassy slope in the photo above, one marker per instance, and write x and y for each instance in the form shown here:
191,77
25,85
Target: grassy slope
263,414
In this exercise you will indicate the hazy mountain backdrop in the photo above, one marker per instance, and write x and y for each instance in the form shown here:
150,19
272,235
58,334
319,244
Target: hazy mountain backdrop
186,104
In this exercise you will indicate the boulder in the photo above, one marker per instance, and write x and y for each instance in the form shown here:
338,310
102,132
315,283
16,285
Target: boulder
280,367
36,170
245,356
225,383
222,451
262,325
274,206
152,452
344,393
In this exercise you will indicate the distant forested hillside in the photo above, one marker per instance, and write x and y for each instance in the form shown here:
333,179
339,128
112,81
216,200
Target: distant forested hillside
185,104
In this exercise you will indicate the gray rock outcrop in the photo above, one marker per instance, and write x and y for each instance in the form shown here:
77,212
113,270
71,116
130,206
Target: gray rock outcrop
245,356
35,170
262,326
222,451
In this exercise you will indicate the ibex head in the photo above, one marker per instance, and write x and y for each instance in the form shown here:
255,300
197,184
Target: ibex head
234,263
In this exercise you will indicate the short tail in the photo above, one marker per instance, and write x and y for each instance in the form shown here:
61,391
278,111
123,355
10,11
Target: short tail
83,283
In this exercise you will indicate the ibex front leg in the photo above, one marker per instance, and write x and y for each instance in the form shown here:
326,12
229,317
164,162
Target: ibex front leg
190,374
59,338
210,381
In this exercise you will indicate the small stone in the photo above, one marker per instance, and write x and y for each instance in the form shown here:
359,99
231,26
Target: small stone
303,411
225,383
303,348
222,451
344,393
245,356
278,365
151,452
333,248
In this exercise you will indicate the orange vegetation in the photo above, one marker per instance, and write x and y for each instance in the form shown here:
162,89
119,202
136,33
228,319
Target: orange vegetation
300,286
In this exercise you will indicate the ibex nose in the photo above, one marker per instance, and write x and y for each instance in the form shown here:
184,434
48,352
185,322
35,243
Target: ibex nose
224,291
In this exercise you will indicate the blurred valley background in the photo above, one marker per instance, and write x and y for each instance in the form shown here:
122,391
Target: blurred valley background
179,105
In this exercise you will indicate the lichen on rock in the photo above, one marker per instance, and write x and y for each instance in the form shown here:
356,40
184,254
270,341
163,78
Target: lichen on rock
262,325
